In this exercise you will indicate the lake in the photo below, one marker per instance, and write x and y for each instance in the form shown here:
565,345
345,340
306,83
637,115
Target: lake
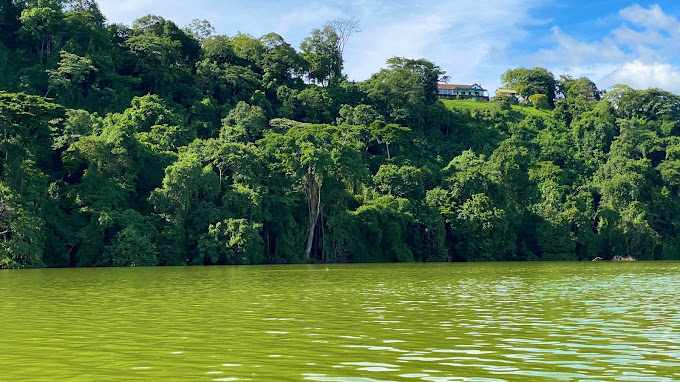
598,321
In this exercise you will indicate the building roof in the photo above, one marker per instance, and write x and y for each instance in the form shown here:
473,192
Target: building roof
456,87
505,90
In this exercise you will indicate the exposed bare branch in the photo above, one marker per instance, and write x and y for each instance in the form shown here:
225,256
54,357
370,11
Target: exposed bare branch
344,28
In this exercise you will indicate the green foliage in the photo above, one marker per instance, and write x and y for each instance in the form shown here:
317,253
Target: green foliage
580,88
404,90
482,231
528,82
504,102
232,241
21,229
382,228
250,119
403,182
133,244
174,146
199,29
72,71
359,115
540,101
322,53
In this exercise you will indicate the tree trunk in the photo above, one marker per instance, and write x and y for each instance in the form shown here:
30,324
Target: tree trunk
323,243
313,193
387,145
310,239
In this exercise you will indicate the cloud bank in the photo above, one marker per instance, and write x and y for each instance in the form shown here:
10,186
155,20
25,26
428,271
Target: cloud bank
642,51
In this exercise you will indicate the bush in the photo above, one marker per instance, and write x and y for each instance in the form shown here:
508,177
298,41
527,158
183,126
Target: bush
540,101
505,102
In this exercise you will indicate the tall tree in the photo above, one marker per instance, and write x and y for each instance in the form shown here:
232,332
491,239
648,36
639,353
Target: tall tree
528,82
321,51
344,29
405,90
312,156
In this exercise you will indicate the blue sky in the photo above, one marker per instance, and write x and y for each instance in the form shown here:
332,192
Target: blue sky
614,41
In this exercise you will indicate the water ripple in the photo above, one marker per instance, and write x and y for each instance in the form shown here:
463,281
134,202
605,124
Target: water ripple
359,323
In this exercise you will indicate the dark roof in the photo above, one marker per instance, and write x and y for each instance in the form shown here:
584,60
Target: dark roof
454,87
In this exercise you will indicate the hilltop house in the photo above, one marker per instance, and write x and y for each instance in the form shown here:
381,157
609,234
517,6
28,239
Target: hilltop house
507,92
474,91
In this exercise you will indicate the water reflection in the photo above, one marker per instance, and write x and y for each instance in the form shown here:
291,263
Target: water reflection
427,322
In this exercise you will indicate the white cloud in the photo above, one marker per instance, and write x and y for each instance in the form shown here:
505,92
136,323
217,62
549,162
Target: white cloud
652,18
468,39
574,52
641,52
639,75
126,11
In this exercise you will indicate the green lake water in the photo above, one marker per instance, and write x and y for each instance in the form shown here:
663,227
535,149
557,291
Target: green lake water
355,323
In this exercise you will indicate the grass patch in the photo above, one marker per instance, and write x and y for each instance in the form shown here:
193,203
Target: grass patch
453,104
490,107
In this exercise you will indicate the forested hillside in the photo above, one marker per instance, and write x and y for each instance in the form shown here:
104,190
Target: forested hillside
156,144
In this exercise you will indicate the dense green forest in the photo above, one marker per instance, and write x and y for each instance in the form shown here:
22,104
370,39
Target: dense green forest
155,144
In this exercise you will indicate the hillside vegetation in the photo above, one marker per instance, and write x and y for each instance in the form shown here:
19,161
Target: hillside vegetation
153,144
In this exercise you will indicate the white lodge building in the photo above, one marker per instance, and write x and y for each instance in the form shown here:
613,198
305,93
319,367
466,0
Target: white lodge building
474,91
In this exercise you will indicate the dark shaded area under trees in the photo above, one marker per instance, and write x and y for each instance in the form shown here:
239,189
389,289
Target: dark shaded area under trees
162,145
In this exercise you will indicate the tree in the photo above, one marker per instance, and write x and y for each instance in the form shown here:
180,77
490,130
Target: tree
402,182
251,119
189,48
232,241
21,232
186,183
199,29
218,49
312,157
594,132
249,51
405,90
481,229
27,127
658,109
540,101
72,70
134,244
581,88
172,146
528,82
321,51
154,59
281,64
10,12
186,203
504,102
359,115
382,230
42,24
78,123
388,133
344,29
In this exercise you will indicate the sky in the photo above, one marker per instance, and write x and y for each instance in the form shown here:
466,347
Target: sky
474,41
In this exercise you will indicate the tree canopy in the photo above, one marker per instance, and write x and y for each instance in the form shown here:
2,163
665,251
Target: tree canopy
160,144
